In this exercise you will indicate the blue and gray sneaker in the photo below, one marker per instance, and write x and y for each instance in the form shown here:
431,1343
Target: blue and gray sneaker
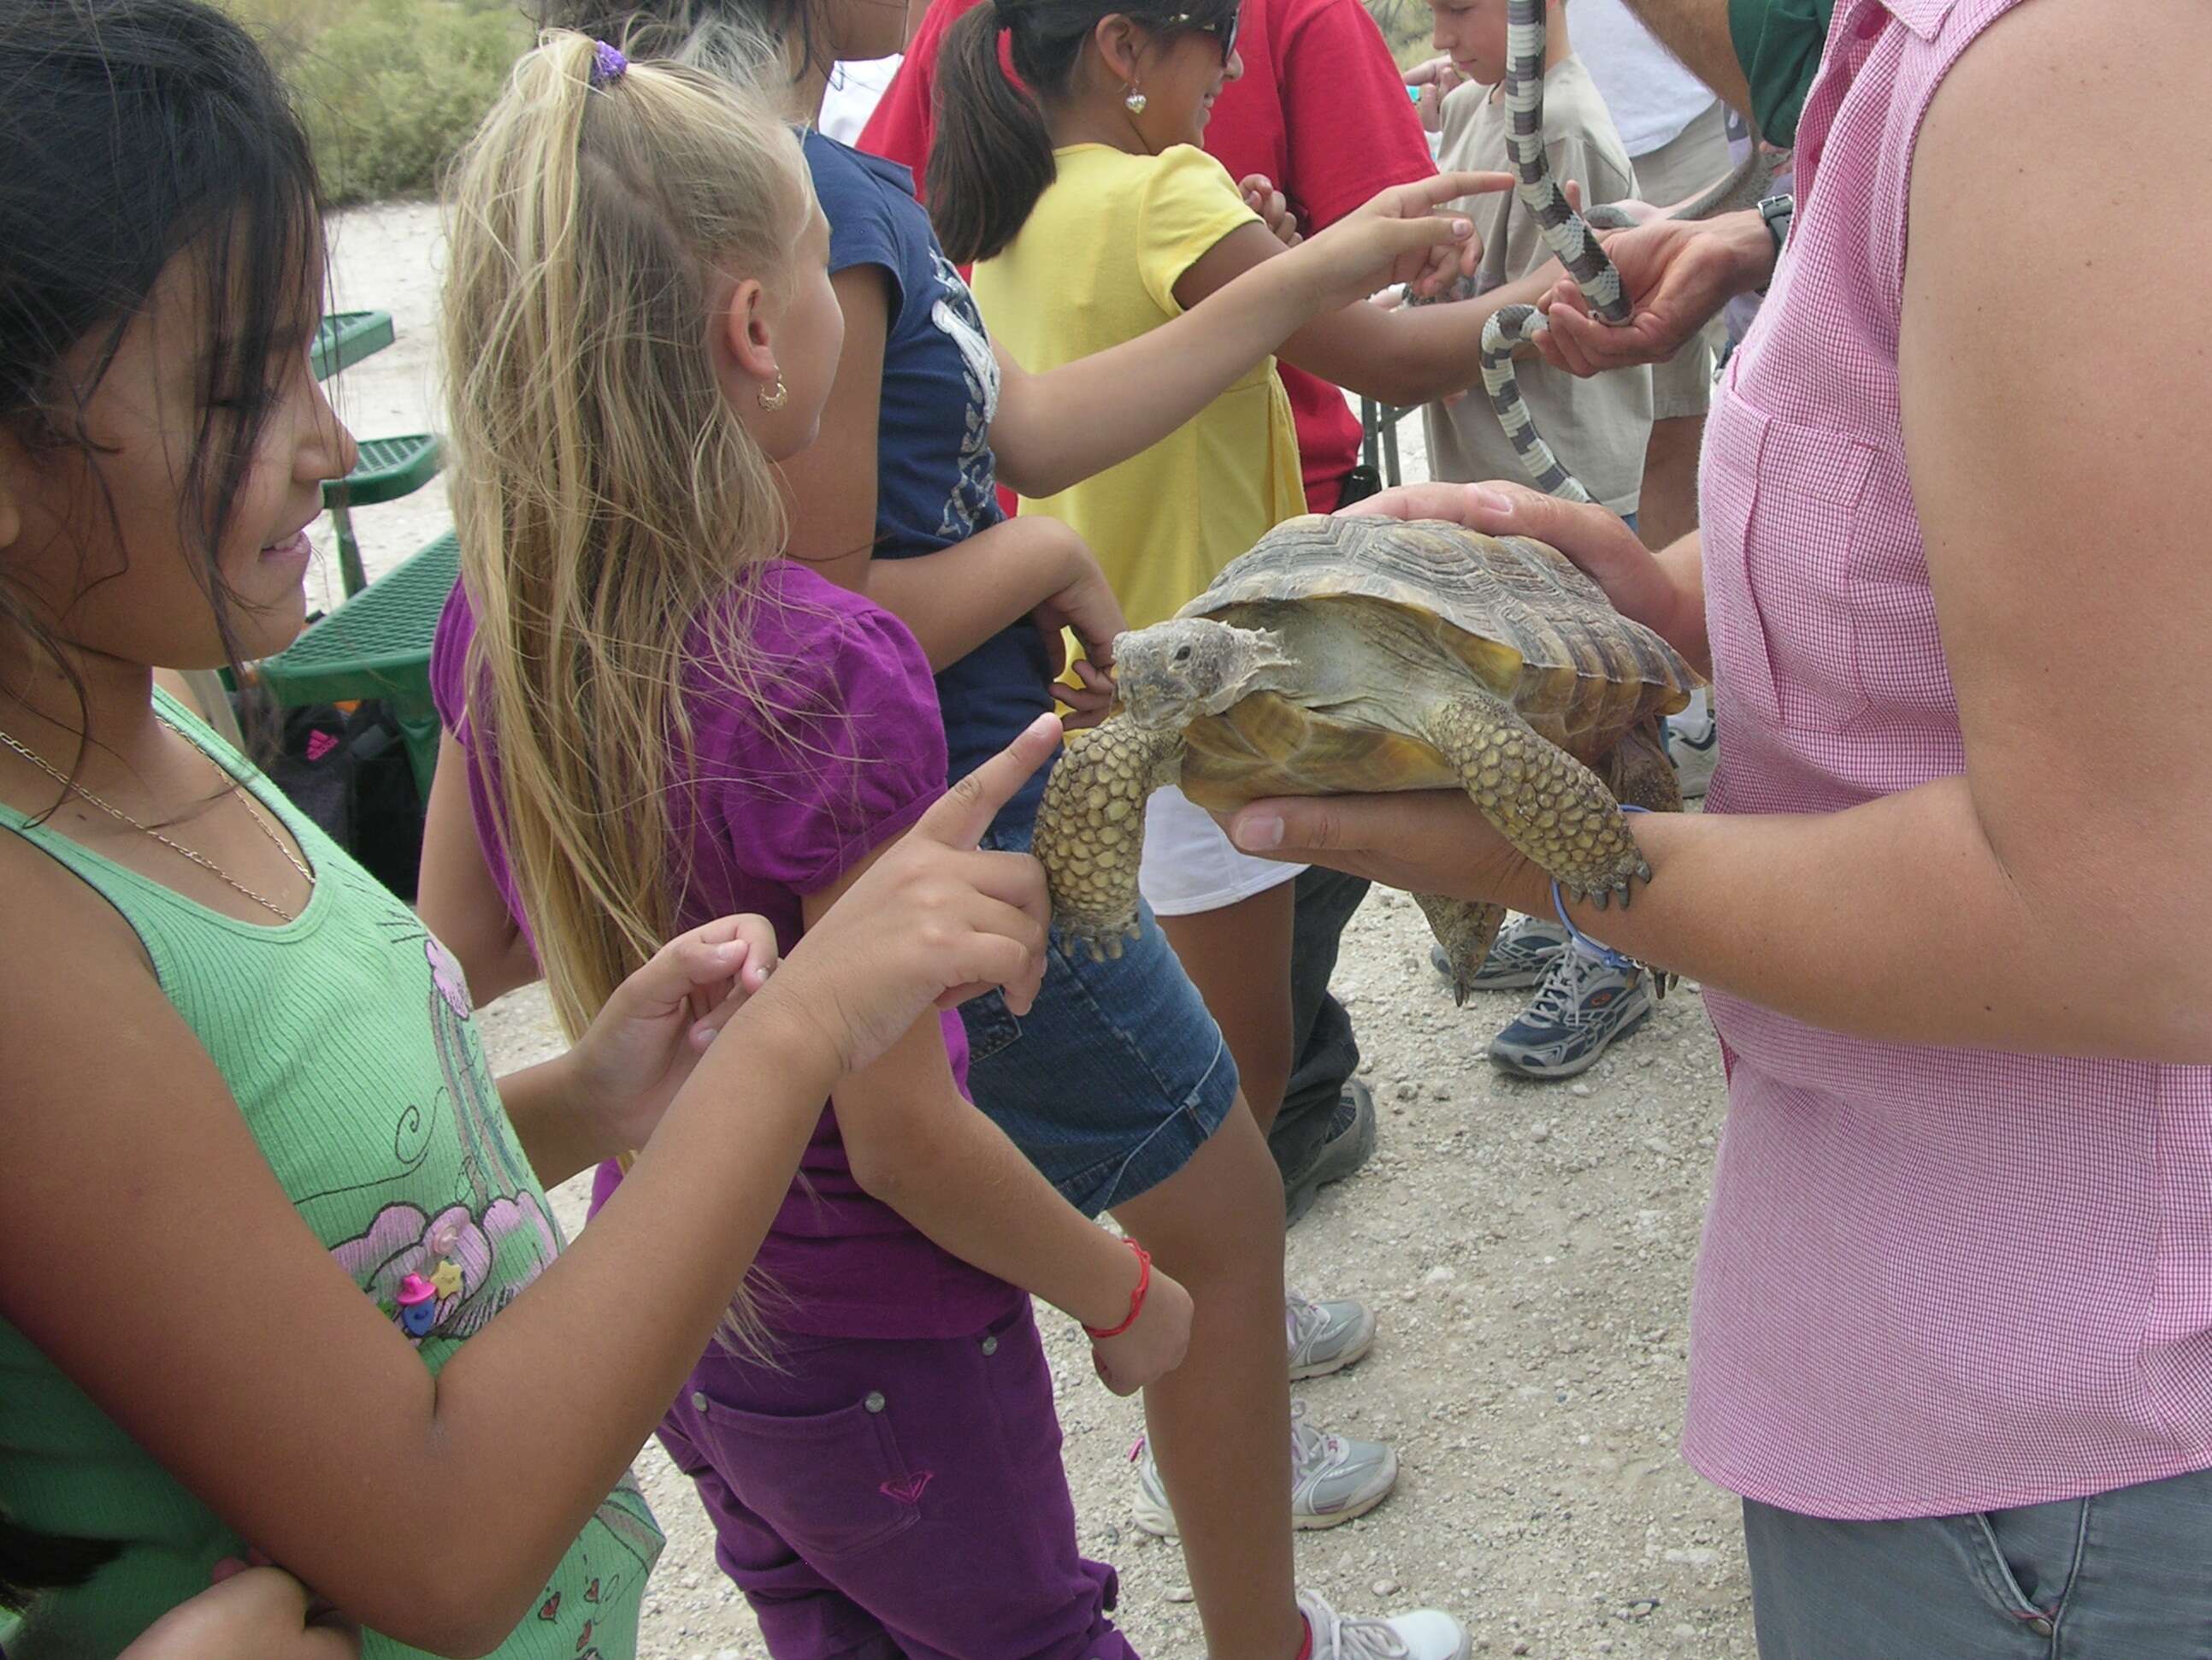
1521,954
1581,1006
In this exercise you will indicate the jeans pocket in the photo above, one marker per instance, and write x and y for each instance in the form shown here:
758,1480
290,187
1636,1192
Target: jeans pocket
831,1483
991,1024
2027,1558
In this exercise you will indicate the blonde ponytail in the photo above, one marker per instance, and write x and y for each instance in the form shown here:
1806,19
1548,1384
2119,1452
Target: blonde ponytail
608,499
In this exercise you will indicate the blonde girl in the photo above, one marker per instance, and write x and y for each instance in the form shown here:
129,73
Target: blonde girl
660,715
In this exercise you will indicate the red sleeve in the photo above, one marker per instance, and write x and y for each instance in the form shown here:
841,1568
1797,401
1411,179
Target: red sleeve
904,124
1352,130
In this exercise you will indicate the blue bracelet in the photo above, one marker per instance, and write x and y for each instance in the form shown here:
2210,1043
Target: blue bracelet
1605,954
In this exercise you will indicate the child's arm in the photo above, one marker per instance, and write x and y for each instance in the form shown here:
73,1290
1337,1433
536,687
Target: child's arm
148,1250
918,1146
1057,429
455,896
954,600
1410,356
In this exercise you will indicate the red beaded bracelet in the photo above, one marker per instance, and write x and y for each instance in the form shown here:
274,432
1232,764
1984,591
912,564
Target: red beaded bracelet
1136,1297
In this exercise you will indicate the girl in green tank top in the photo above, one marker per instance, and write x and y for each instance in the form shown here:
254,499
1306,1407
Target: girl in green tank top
276,1268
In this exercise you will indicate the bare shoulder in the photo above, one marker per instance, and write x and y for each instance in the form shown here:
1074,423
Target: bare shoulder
2098,88
49,904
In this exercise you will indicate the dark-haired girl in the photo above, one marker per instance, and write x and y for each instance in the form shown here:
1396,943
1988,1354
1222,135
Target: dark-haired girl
1095,219
277,1270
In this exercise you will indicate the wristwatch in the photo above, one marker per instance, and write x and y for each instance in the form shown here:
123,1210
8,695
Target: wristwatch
1777,211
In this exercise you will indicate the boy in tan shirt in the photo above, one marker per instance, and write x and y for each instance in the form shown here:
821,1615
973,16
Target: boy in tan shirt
1598,428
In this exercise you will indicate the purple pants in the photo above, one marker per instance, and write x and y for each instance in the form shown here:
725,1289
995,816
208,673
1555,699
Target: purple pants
896,1500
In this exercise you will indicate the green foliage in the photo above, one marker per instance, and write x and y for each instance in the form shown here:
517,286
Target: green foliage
390,90
1406,25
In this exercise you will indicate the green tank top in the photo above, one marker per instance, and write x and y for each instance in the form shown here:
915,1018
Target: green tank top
345,1036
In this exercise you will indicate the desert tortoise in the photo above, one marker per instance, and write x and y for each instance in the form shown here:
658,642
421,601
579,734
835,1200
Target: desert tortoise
1360,654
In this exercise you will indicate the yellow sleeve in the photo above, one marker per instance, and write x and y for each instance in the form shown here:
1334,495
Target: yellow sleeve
1190,203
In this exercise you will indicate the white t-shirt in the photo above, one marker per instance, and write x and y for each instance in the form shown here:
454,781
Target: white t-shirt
854,88
1651,96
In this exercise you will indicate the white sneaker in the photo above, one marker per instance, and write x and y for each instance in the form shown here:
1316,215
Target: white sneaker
1325,1337
1694,744
1334,1479
1424,1634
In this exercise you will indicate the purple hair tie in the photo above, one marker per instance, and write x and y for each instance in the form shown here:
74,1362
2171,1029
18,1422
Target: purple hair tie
608,65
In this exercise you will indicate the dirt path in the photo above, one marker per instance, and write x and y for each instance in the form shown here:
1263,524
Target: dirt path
1529,1248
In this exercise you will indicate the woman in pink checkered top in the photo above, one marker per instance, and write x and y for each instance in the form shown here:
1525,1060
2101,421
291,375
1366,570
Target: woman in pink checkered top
1952,1334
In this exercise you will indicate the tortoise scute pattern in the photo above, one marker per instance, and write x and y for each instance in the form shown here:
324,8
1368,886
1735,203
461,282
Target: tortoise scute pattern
1095,799
1366,656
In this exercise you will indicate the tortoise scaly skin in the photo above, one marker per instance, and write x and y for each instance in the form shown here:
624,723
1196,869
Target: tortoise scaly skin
1362,655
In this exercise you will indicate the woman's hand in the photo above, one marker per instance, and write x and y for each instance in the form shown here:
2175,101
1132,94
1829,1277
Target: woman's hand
630,1063
262,1612
1261,196
1417,841
1678,273
1399,236
1153,1347
1640,586
931,923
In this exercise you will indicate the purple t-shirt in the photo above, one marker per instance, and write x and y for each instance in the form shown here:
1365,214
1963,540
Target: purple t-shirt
856,753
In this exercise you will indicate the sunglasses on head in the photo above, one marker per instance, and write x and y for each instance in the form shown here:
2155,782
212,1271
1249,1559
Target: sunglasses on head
1222,30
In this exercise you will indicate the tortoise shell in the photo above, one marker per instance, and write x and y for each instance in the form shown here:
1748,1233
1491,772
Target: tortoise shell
1384,617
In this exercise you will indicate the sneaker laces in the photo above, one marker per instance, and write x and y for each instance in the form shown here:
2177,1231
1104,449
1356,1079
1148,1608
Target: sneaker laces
1301,1315
1356,1636
1311,1449
1559,999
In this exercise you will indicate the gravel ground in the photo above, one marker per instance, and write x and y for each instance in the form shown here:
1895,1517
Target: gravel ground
1529,1247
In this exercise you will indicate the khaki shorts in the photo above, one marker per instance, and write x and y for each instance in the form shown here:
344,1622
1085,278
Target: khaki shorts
1695,157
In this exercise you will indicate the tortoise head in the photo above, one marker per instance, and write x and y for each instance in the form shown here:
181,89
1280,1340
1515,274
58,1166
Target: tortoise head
1173,672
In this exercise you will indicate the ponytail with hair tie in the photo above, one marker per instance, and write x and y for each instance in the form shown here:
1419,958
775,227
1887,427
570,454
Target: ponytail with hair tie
992,158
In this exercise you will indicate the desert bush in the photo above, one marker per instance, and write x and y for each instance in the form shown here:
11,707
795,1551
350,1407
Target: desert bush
389,88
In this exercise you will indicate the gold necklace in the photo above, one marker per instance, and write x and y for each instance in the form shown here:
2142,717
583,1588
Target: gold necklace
196,857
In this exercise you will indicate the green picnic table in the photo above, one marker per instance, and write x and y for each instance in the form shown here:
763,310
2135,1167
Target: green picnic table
376,642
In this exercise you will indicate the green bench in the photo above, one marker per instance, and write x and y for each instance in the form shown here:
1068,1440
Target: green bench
377,644
387,469
347,336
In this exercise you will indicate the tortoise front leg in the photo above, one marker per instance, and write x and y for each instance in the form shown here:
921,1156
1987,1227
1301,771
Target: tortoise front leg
1091,830
1548,805
1466,931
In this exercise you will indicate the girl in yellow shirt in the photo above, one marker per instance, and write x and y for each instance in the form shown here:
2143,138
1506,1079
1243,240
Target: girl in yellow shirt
1093,216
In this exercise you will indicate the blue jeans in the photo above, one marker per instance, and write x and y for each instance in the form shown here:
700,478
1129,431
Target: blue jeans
1116,1077
2124,1575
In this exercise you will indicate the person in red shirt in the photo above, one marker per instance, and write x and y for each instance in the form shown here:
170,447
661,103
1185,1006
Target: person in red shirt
1321,112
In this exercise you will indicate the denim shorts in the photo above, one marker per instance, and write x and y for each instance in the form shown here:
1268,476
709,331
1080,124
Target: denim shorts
1115,1078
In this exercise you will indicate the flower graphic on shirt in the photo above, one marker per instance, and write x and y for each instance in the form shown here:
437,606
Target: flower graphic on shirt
955,314
477,1265
445,974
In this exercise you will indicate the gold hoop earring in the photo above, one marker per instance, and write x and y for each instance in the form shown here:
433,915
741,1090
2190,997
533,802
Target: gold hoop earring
774,398
1135,101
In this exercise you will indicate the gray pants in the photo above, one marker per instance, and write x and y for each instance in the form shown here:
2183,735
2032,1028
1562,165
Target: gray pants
2125,1575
